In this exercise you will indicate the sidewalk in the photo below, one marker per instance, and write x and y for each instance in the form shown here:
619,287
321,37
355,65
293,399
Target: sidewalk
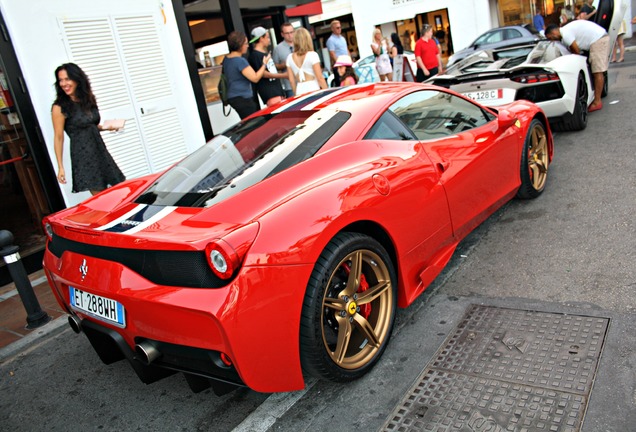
13,331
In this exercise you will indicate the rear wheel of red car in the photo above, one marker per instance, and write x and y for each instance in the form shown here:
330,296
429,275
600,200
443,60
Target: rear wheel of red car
534,161
349,309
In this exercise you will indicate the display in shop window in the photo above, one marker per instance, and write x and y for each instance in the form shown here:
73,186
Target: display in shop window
210,77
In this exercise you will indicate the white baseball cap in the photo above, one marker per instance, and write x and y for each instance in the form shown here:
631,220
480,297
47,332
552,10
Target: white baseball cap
257,33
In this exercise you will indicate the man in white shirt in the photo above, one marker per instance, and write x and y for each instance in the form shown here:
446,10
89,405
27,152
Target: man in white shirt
582,35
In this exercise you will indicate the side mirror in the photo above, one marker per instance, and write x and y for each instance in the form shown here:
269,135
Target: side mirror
506,119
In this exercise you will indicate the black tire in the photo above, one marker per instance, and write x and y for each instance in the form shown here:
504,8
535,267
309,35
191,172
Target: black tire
578,119
605,90
534,162
347,321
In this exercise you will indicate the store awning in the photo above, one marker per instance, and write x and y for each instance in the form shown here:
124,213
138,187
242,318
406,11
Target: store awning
313,8
331,10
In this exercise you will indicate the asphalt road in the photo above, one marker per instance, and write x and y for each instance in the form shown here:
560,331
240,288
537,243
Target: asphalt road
573,250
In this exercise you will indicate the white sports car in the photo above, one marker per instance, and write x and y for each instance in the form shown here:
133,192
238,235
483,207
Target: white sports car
545,73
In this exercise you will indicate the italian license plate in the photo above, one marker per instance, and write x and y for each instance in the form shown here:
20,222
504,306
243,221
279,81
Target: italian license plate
485,95
97,306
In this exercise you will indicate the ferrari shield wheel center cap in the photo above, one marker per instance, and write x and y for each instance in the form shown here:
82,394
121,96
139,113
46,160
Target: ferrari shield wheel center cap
352,308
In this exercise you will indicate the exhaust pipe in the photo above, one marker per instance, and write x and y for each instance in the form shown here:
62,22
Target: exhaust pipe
75,323
147,352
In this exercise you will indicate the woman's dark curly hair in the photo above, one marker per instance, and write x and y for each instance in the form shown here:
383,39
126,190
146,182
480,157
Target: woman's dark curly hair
235,40
83,92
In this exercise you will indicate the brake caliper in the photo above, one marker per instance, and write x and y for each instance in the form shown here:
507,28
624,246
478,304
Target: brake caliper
365,309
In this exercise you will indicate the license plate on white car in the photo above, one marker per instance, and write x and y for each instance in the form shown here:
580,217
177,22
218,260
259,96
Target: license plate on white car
485,95
99,307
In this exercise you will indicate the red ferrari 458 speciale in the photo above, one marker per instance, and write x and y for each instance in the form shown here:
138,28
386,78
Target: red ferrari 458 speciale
282,247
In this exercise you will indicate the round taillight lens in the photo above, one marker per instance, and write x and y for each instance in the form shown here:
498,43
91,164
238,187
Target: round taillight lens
221,258
225,255
218,261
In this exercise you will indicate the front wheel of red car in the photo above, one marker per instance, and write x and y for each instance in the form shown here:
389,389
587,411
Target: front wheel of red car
534,161
348,310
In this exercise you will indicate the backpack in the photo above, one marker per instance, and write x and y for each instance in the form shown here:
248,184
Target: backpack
222,88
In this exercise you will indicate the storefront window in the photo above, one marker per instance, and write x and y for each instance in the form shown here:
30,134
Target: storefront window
515,12
210,82
407,30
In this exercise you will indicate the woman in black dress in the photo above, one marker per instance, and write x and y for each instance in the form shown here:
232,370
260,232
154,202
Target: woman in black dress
75,112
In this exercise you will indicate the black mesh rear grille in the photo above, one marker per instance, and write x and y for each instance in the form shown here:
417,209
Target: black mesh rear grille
541,92
171,268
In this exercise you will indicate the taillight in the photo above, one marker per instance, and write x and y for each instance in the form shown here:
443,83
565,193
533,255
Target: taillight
48,229
534,78
222,258
226,255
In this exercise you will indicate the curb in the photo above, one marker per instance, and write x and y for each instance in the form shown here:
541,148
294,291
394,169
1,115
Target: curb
49,329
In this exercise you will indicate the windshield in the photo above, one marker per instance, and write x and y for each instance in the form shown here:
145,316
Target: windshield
243,156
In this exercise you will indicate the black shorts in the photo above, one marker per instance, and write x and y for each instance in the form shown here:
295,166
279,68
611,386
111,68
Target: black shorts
243,106
420,77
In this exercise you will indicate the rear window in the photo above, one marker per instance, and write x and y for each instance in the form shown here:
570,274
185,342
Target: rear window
242,156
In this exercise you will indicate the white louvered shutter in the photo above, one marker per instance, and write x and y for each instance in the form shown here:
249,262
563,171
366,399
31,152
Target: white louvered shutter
124,60
156,105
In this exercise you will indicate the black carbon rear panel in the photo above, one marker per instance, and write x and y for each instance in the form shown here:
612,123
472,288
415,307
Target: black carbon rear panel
171,268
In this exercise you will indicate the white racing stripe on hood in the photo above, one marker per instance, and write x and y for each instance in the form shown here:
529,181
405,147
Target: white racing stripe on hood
136,210
160,215
290,105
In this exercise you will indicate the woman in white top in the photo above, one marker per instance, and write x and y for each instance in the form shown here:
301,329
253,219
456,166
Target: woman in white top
303,65
380,48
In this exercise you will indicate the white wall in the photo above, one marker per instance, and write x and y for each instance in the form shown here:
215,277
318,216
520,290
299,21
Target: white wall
468,18
37,38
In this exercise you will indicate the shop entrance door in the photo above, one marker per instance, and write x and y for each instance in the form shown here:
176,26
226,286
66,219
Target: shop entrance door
23,203
22,200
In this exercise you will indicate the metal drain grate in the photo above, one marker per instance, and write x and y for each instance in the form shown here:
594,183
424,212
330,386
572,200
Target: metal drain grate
507,370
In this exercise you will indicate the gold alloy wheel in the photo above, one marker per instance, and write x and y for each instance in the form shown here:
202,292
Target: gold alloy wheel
538,157
357,309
